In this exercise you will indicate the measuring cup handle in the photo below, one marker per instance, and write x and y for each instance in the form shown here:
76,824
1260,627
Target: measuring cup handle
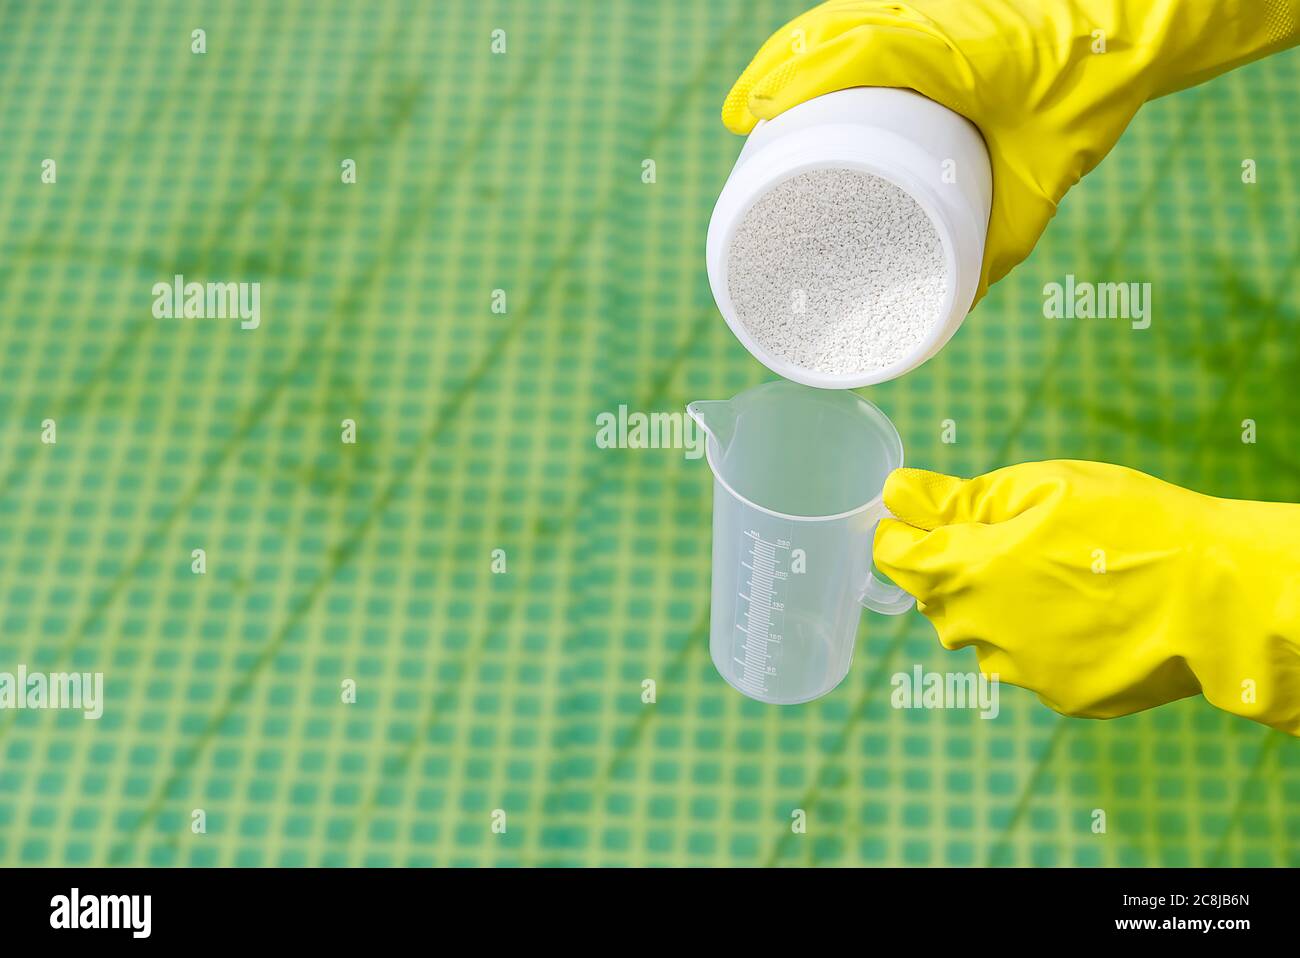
880,596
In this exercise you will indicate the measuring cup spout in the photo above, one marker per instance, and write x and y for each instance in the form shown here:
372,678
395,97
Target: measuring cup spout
717,417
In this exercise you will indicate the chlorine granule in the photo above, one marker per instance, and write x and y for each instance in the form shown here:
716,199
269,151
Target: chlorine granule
837,271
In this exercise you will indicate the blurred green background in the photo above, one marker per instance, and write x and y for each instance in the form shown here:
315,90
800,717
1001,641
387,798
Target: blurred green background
522,691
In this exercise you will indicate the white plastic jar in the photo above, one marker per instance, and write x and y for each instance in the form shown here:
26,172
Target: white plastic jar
931,153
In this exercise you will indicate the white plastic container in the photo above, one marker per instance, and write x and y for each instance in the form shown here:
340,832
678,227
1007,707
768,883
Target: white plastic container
931,153
798,475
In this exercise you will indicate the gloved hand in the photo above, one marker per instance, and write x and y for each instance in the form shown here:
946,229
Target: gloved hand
1029,73
1102,589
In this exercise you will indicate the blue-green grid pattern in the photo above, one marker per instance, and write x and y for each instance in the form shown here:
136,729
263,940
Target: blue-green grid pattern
523,172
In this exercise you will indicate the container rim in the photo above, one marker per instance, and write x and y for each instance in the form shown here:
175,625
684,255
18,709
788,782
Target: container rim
873,502
762,181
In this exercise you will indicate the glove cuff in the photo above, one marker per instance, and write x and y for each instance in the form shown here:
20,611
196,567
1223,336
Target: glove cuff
1249,580
1200,39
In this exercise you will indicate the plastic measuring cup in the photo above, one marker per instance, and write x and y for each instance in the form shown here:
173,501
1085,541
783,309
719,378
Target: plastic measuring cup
798,475
931,153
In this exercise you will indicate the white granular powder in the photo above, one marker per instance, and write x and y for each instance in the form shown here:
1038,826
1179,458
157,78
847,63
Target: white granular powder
837,271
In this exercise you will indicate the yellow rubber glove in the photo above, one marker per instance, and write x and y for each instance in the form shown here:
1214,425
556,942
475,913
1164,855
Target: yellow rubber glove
1102,589
1031,74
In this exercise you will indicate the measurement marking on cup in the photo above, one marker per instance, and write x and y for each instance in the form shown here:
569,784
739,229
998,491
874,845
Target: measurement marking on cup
763,611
